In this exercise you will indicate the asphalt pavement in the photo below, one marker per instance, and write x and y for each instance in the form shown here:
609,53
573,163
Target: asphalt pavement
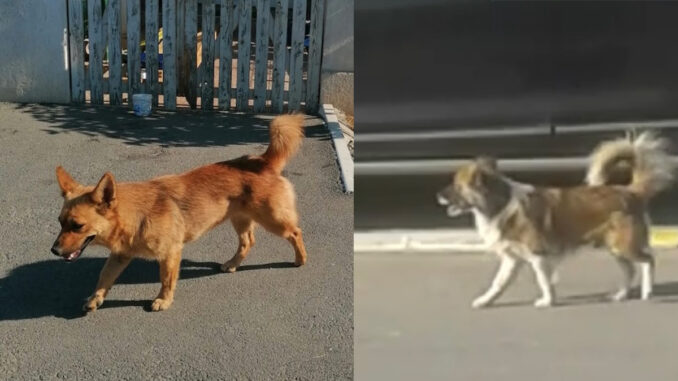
414,321
269,320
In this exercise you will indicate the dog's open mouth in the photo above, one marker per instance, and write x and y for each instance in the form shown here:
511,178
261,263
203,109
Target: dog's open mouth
76,254
454,211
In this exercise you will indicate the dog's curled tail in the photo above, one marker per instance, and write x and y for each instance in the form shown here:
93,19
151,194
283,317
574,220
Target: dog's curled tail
643,163
286,133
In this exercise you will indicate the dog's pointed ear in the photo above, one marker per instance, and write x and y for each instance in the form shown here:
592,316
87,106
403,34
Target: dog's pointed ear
487,163
66,182
104,192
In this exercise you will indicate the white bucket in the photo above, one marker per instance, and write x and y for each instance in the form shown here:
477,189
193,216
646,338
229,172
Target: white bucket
142,104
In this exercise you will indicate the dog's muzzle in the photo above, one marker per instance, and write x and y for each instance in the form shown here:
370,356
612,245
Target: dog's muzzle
452,210
70,257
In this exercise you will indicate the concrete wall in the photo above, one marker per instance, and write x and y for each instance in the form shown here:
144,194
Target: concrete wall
338,70
33,51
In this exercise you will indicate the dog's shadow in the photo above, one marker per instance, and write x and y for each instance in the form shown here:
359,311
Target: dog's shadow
662,292
57,288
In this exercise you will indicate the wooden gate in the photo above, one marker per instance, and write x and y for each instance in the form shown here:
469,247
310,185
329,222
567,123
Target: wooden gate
247,55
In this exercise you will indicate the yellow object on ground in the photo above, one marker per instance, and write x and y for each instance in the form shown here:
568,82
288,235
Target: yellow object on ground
664,237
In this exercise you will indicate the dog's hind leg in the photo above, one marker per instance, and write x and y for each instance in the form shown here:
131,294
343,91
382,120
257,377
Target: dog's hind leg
289,230
169,273
282,220
114,266
647,274
628,239
295,238
628,273
508,268
245,229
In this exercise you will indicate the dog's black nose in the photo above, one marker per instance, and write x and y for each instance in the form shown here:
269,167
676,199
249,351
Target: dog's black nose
55,251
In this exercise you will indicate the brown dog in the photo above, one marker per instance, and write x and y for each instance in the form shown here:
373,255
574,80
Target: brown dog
523,223
153,219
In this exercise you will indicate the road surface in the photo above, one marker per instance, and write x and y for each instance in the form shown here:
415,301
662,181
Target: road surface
414,322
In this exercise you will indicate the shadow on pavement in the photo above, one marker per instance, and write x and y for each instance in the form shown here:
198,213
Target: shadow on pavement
57,288
663,292
275,265
167,129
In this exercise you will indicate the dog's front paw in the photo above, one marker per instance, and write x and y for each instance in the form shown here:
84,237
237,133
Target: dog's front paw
481,302
93,302
543,302
300,261
229,267
160,304
620,295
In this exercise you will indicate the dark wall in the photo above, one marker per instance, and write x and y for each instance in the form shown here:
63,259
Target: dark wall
453,64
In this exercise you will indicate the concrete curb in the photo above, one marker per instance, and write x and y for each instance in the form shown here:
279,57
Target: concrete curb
462,240
343,155
443,240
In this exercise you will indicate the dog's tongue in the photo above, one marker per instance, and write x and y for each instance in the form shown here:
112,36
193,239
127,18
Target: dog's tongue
72,256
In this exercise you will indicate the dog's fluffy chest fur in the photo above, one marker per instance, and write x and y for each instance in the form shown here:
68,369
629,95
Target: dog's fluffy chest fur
490,227
487,228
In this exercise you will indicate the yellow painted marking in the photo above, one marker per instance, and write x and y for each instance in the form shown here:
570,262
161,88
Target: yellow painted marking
664,237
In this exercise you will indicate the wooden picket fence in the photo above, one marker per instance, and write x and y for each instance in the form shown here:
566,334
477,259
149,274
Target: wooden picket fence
255,73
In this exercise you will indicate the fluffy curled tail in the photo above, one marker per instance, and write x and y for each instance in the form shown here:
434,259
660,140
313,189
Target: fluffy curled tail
286,133
642,164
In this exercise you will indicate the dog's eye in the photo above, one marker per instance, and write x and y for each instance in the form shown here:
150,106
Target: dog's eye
76,227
